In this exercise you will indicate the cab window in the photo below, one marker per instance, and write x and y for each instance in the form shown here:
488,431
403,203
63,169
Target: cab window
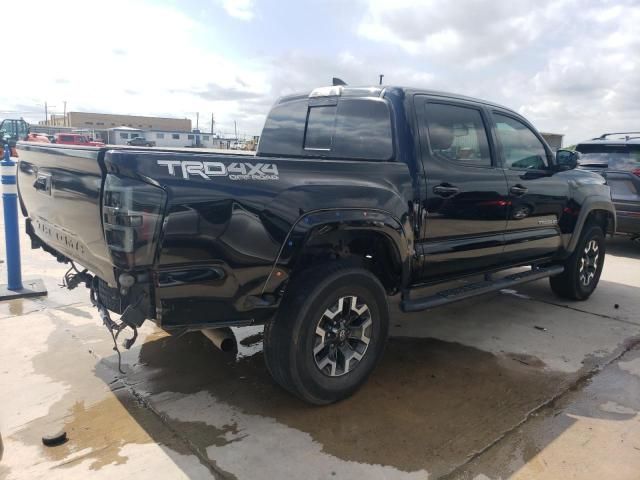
350,128
521,148
23,128
283,131
320,128
458,134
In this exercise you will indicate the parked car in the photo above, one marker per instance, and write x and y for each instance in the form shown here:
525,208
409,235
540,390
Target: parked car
38,137
616,156
354,195
141,142
76,139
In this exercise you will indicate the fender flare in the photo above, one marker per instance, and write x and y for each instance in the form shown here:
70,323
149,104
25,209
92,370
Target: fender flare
592,203
351,218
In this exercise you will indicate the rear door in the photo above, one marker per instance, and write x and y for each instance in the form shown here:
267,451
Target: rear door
466,191
625,193
537,193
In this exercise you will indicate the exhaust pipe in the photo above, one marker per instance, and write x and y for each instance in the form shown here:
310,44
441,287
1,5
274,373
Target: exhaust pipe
223,338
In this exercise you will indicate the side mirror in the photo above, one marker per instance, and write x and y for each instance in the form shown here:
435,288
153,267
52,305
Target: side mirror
567,159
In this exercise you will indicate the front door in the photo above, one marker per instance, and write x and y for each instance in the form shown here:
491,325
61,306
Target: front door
537,193
466,198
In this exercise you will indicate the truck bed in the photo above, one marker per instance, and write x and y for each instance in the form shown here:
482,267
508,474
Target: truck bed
60,190
226,220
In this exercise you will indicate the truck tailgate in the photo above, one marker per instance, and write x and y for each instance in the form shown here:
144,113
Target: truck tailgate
59,188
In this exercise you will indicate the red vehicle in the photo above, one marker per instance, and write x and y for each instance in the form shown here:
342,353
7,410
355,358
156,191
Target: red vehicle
37,137
76,139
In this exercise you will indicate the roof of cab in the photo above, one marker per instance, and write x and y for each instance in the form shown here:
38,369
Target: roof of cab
381,90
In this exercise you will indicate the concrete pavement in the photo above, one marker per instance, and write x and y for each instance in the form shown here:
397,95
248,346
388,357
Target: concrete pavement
517,384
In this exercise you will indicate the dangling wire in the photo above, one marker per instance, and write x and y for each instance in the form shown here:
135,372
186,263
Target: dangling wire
114,328
73,277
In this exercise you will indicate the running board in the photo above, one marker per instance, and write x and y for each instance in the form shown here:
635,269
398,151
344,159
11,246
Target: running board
479,288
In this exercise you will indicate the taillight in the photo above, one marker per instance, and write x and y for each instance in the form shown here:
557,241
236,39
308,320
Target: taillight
131,217
636,172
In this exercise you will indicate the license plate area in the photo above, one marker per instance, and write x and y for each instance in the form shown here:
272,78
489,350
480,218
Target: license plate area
57,237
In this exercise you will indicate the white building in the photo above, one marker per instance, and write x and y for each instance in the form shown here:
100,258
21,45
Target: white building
121,135
162,138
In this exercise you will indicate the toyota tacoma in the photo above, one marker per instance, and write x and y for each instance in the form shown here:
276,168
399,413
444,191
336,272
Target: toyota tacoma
354,195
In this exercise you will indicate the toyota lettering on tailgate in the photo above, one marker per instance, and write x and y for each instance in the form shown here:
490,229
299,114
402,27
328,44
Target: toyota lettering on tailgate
207,170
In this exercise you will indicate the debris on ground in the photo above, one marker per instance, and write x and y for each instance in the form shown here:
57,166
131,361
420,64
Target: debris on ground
55,439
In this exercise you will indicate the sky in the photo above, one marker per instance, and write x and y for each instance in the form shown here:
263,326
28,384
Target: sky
569,66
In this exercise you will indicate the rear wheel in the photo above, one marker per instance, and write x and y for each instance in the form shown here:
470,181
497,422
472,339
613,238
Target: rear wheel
583,268
328,334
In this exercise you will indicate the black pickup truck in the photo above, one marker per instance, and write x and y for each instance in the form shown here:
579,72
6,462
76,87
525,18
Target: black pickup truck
355,194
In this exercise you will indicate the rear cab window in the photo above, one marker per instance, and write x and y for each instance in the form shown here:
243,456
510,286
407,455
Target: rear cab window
340,128
612,156
321,123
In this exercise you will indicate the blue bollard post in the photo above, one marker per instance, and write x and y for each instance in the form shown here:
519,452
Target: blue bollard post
11,227
14,287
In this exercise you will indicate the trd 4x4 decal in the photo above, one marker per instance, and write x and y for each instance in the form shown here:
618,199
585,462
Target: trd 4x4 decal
235,171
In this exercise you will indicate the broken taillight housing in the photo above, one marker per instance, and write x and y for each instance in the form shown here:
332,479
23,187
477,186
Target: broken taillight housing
131,217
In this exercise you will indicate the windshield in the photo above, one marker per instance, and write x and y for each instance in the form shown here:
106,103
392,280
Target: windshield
623,157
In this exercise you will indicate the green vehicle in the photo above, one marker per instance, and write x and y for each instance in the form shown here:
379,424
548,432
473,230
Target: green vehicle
12,130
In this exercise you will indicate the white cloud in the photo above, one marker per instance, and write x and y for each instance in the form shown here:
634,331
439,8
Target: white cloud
571,66
473,31
240,9
592,84
155,66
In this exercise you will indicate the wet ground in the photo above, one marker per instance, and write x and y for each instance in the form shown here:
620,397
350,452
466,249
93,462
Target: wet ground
517,384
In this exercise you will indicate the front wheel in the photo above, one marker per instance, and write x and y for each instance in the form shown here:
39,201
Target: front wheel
583,268
328,334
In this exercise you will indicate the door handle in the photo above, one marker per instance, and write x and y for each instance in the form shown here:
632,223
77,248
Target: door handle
445,190
518,190
43,183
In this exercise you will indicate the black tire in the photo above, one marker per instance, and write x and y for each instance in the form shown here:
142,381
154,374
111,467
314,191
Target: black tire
291,337
579,280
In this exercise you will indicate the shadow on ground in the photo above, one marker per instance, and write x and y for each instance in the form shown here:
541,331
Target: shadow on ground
430,405
623,246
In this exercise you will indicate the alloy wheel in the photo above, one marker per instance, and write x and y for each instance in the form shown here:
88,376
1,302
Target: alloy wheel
589,263
342,336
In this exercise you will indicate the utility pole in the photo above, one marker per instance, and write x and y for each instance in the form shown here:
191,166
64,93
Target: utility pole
381,77
64,118
235,127
197,120
212,124
46,114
